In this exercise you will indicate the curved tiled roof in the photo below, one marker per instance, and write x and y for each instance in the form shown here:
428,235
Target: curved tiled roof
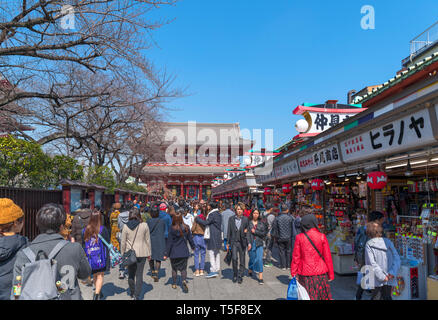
399,78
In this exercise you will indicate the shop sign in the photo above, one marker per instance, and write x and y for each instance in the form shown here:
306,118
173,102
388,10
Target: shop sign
323,158
317,184
267,192
266,174
322,121
286,170
411,131
377,180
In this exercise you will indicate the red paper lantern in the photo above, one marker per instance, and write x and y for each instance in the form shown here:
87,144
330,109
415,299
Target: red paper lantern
287,188
317,184
267,192
236,194
242,194
377,180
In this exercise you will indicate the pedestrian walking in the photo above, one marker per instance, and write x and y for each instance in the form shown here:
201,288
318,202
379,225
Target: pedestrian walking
11,224
97,253
282,230
257,235
212,235
200,245
72,263
136,236
80,221
312,260
157,229
269,220
238,241
122,220
384,259
360,241
114,225
166,218
177,250
226,215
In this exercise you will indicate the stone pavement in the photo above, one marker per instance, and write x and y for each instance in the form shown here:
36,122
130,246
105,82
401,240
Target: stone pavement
220,288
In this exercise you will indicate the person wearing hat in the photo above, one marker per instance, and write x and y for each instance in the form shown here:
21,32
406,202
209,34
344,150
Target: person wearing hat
11,224
114,225
166,217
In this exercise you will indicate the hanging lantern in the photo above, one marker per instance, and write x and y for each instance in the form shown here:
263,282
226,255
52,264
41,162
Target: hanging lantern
317,184
287,188
236,194
267,192
242,194
377,180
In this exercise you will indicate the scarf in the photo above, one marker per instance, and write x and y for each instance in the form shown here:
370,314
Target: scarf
309,222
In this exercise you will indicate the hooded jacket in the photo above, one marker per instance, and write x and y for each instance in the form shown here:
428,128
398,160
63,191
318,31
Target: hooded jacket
9,246
122,219
71,261
167,220
382,256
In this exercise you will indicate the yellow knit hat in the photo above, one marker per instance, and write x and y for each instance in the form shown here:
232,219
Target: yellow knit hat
9,211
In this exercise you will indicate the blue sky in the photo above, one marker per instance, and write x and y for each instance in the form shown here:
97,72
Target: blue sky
253,62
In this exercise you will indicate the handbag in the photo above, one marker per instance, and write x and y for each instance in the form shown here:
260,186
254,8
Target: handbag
302,292
129,257
228,257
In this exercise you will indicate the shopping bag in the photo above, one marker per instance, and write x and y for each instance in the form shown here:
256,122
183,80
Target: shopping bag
302,292
292,290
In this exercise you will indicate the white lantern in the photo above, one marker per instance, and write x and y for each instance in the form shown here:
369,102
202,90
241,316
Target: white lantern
247,161
301,125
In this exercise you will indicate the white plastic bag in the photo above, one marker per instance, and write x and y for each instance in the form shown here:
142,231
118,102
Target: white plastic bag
302,292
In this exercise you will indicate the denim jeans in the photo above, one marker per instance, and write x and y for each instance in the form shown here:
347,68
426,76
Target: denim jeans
255,258
200,249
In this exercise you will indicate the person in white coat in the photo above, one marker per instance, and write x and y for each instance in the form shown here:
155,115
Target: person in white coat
384,260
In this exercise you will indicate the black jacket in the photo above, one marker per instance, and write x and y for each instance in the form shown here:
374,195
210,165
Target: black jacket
282,228
71,259
176,246
214,220
9,246
260,234
240,235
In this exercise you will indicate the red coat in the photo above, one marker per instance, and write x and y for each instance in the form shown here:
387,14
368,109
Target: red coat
306,261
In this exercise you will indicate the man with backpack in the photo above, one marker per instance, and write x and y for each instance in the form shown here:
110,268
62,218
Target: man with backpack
50,266
360,242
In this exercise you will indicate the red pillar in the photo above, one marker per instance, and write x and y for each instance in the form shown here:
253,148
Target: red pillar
116,196
91,196
200,192
66,198
182,189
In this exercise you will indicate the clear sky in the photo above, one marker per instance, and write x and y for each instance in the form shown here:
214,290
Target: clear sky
253,62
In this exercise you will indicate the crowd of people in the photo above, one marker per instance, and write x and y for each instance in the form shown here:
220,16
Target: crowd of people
77,246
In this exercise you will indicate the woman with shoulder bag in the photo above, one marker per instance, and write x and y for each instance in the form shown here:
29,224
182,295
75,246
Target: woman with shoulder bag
312,260
258,231
200,246
136,237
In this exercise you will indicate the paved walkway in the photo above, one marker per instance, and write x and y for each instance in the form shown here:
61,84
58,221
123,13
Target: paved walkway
220,288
